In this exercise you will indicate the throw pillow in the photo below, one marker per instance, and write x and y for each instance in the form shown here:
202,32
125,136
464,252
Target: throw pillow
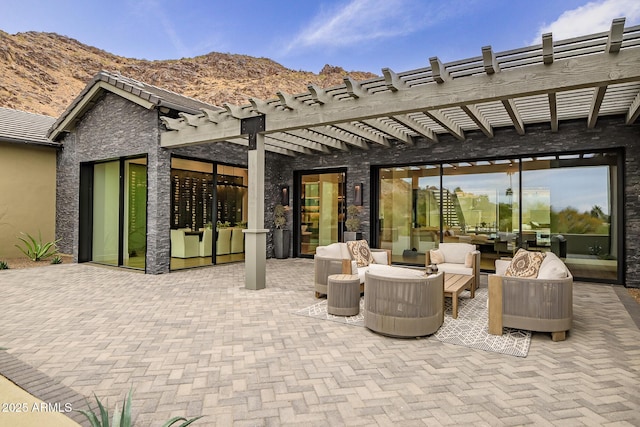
468,260
360,252
525,264
436,256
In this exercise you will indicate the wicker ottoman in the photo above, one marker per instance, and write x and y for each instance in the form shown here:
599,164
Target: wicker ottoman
343,294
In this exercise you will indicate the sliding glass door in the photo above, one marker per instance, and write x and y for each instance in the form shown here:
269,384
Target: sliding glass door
106,213
565,203
118,211
322,210
209,212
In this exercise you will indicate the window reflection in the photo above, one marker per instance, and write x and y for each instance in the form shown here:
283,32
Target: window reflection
561,203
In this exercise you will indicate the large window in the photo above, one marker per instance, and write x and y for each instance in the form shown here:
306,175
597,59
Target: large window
118,211
566,203
208,213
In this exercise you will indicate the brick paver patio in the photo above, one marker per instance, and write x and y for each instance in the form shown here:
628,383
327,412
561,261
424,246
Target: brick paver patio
196,342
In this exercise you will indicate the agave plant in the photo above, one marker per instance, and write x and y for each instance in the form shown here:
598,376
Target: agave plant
123,418
4,265
56,260
37,250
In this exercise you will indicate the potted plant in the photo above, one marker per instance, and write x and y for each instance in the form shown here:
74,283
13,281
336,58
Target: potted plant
352,224
280,234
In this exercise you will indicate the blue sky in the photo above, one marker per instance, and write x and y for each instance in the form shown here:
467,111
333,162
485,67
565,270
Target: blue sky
362,35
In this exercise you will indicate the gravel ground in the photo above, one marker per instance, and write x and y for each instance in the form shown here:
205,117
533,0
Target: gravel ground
24,262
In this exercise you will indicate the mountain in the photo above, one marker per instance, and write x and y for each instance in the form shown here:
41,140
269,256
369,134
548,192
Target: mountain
43,72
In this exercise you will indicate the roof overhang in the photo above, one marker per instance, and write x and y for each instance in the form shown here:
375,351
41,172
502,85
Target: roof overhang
581,78
86,101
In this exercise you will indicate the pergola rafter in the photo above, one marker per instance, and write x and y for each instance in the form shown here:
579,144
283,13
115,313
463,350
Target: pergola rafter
583,77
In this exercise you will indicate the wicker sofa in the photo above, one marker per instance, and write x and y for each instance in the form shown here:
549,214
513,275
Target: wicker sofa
402,302
336,259
459,258
542,304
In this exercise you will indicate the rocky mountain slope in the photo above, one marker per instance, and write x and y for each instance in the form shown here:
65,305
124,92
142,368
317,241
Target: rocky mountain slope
43,72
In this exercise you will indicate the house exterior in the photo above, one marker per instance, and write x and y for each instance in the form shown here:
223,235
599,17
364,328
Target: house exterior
27,179
506,150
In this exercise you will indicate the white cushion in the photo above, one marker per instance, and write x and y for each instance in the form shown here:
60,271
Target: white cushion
334,250
552,267
380,257
361,271
455,268
395,272
501,266
456,252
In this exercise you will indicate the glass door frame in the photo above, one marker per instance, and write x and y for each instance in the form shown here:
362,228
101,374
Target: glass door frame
297,205
618,188
86,210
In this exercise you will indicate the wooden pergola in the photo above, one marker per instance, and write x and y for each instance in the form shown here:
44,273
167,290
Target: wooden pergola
579,78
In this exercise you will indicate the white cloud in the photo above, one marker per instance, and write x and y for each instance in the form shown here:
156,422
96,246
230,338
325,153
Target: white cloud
365,20
593,17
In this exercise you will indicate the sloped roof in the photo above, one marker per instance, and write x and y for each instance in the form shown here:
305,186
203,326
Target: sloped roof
144,94
23,127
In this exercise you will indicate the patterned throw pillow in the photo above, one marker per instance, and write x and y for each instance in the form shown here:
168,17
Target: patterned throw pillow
436,256
525,264
360,252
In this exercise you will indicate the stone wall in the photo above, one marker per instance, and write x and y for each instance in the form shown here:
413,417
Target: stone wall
113,128
572,136
116,128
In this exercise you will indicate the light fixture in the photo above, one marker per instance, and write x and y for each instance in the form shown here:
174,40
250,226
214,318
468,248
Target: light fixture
357,194
284,195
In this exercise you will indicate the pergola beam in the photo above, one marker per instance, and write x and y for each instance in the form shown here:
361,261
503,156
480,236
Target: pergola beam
553,111
479,119
389,130
419,128
323,140
547,48
340,135
567,75
281,141
491,65
516,119
363,133
438,70
596,103
446,123
616,33
634,110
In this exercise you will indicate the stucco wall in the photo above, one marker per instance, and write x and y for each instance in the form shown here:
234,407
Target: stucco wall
27,194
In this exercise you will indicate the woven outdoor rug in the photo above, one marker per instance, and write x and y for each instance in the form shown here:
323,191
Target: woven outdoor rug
470,329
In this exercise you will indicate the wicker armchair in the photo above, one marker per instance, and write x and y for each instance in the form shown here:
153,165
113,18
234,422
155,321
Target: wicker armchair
533,304
403,306
455,255
339,262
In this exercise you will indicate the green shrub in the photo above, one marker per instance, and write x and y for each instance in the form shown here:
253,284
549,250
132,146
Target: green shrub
37,250
123,419
56,260
4,265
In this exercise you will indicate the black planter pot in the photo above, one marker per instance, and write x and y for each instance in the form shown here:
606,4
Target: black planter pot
281,243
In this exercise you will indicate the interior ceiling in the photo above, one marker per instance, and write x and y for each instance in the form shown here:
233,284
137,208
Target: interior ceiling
581,78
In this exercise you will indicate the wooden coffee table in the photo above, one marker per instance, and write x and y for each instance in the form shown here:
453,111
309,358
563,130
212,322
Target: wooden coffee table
454,284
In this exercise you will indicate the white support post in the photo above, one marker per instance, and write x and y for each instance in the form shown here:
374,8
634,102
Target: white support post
256,235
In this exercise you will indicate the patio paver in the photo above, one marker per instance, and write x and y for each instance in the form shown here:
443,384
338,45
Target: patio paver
196,342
